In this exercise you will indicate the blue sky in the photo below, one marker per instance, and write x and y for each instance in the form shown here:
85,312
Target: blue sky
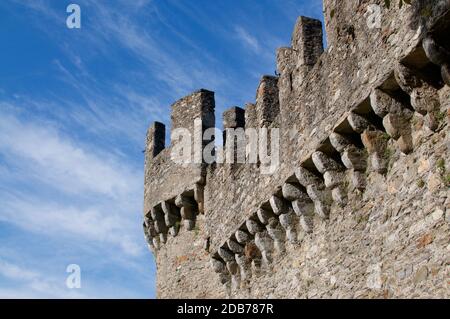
74,109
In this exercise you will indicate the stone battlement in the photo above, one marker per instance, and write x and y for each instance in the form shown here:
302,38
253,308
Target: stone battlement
358,206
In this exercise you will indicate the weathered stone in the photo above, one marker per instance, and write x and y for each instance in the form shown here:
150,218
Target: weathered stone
233,267
189,224
242,237
156,214
358,179
358,123
148,239
292,192
322,200
256,267
395,125
218,266
145,228
305,177
374,278
167,208
333,178
277,233
151,229
406,78
307,223
151,247
241,260
279,206
303,208
234,117
339,195
435,53
431,121
405,144
362,249
354,158
171,219
379,163
288,222
244,266
267,100
307,39
322,209
264,215
160,226
156,243
264,242
275,230
184,201
339,142
383,104
163,238
199,197
156,136
325,163
285,60
251,251
235,247
253,226
319,193
173,230
421,275
425,99
374,141
187,212
148,219
445,73
199,193
307,43
226,255
224,279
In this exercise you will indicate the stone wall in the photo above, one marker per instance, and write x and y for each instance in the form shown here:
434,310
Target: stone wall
359,205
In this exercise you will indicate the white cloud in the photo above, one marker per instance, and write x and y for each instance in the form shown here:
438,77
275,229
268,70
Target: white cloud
103,226
32,284
61,162
87,194
247,39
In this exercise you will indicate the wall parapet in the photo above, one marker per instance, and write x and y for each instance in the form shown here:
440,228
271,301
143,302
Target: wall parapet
338,141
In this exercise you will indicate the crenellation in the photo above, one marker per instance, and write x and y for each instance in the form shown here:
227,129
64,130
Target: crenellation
307,40
156,139
234,135
198,105
363,143
267,101
234,118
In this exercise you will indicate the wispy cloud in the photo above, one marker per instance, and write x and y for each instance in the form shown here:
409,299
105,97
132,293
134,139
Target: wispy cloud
33,284
59,161
247,39
93,225
71,167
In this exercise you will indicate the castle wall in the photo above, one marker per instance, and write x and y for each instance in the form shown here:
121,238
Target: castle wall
359,206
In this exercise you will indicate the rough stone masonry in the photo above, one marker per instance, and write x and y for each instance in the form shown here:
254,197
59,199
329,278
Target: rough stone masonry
359,207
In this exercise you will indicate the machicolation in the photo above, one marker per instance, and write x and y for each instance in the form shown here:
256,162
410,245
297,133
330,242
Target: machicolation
358,206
